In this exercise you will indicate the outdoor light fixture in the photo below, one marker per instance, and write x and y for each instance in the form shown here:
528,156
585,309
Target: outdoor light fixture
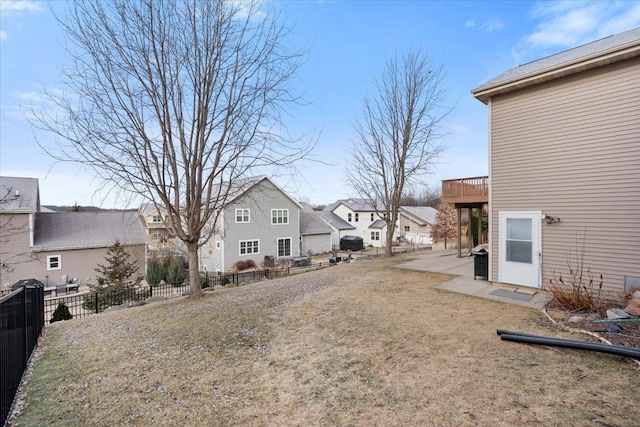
550,219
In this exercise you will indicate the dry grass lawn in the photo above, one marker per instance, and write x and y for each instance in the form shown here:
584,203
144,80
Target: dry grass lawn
358,344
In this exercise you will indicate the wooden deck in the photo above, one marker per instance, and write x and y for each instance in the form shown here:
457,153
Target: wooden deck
463,191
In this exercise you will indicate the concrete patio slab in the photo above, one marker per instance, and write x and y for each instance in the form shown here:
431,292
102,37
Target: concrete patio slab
464,283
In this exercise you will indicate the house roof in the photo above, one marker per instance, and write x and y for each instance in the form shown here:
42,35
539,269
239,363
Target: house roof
600,52
423,215
379,223
356,205
335,221
312,223
241,186
82,230
19,195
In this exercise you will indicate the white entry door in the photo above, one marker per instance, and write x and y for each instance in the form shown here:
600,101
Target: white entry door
519,261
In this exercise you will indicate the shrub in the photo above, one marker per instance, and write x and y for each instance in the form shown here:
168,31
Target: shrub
575,294
155,271
244,265
176,274
61,313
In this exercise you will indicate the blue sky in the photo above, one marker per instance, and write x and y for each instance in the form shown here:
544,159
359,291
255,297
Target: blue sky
347,42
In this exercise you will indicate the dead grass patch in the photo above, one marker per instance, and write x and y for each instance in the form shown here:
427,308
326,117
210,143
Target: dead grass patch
356,344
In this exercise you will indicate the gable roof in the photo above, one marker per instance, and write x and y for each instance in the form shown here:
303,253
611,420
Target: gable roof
19,195
241,186
83,230
423,215
379,223
312,223
591,55
356,205
335,221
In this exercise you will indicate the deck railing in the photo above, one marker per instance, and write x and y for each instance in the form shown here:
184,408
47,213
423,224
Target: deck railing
466,190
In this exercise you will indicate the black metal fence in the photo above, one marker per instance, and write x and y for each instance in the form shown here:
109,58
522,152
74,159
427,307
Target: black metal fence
90,303
21,322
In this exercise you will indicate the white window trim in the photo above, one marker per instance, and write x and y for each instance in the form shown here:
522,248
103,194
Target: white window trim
290,246
248,253
59,267
279,210
375,233
248,216
157,232
217,244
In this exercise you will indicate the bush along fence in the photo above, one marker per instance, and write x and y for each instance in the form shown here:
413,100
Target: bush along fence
21,322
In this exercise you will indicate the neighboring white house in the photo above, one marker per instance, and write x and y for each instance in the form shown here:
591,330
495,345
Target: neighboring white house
415,224
260,220
339,227
367,223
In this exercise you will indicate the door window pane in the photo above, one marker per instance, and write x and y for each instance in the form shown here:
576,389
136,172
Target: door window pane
519,244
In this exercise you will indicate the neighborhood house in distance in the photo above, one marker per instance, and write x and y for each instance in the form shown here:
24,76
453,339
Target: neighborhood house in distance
259,220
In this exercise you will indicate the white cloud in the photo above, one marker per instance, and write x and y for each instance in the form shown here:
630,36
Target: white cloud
3,35
493,24
470,23
563,25
16,7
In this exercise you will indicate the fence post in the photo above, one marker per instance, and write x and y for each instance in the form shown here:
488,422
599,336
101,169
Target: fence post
150,291
24,326
96,297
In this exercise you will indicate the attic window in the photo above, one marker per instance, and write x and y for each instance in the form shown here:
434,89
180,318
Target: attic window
156,218
372,217
357,216
349,217
54,262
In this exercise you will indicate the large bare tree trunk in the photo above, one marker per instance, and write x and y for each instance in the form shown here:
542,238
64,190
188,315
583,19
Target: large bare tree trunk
195,289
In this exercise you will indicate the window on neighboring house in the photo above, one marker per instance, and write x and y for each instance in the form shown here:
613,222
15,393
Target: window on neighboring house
375,235
357,216
372,217
217,244
249,247
157,234
242,215
156,218
279,216
349,217
54,262
284,247
407,228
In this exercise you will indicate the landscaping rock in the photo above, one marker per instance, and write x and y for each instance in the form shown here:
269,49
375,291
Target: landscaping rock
575,319
136,303
617,313
218,287
633,308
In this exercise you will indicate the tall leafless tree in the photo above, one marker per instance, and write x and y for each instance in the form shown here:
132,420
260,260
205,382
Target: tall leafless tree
175,101
399,136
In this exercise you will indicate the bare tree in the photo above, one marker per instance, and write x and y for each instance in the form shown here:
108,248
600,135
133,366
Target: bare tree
176,101
398,137
445,225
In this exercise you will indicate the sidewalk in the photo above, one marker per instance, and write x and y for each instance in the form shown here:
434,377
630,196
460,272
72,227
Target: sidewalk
448,262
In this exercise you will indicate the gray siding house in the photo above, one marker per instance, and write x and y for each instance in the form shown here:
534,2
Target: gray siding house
260,220
564,165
